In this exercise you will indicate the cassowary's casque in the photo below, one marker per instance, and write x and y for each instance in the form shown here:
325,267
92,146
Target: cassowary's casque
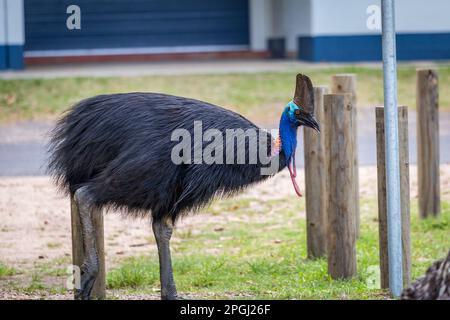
435,285
118,151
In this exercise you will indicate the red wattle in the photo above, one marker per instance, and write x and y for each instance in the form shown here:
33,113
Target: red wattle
293,173
293,165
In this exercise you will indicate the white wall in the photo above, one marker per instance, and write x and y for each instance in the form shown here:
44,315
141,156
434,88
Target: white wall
260,24
297,21
293,18
274,18
15,22
418,16
2,22
331,17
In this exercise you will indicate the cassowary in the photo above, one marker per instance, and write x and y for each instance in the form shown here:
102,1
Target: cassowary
119,151
435,285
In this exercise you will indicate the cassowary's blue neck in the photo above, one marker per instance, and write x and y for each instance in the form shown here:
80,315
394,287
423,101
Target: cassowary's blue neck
288,136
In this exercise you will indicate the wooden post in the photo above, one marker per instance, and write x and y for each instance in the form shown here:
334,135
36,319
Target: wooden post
346,83
341,237
428,143
98,291
315,182
404,194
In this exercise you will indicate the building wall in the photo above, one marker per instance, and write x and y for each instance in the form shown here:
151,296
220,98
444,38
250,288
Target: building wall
297,21
146,30
339,31
330,30
332,17
340,17
317,30
150,26
260,24
12,37
278,18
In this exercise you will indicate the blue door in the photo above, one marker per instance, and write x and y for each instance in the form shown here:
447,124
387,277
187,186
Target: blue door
115,24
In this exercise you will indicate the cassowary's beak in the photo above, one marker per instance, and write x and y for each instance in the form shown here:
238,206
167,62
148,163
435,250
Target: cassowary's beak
308,120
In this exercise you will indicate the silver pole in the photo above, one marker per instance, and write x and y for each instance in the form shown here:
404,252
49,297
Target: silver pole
392,153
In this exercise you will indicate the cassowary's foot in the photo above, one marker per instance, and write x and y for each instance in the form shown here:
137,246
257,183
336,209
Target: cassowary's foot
86,284
176,297
163,231
90,266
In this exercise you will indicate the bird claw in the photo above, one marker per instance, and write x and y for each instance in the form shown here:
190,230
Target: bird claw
175,297
87,283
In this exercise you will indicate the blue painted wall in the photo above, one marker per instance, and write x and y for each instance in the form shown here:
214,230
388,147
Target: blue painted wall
136,23
15,56
425,46
11,57
3,57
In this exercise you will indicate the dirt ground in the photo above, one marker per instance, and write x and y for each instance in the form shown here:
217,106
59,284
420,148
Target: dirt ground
35,224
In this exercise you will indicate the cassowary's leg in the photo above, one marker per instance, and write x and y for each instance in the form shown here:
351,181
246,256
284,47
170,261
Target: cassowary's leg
163,231
90,266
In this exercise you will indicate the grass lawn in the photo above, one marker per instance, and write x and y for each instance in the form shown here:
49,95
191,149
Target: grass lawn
258,96
248,249
6,271
261,253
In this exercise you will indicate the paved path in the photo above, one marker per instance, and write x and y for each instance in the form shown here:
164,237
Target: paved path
131,69
23,148
23,145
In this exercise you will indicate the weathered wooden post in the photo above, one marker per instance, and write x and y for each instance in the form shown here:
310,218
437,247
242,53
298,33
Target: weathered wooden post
346,83
404,194
98,290
341,237
428,143
315,182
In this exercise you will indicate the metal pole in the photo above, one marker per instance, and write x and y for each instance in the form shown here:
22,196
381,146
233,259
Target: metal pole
392,151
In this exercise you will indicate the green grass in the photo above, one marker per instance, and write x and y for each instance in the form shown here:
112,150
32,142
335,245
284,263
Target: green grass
36,284
43,278
53,245
6,271
260,254
257,96
55,267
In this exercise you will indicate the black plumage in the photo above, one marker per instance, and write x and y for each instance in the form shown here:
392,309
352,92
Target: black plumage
434,285
120,146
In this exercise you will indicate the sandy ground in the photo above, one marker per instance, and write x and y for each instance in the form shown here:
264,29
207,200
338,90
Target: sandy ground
35,224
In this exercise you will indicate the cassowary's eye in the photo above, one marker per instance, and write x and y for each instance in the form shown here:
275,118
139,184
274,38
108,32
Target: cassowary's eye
297,112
